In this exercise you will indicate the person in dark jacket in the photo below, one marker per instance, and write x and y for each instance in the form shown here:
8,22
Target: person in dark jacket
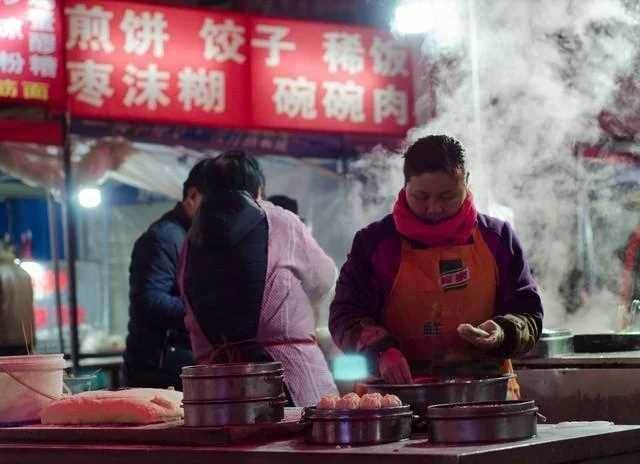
435,287
157,344
226,260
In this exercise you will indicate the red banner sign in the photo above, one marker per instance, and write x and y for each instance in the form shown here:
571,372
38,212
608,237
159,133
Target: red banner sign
328,77
31,64
162,64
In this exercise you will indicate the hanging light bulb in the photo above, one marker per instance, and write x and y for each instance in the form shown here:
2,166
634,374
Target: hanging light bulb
90,197
437,18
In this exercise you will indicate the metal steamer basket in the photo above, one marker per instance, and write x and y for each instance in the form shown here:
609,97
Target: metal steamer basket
444,391
233,394
241,381
357,426
482,422
219,413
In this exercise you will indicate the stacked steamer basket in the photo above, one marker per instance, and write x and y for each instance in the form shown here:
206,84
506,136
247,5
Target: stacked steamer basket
233,394
482,422
465,410
353,425
430,391
358,427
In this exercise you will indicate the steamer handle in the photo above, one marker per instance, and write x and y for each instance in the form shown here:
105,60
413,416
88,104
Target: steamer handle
304,419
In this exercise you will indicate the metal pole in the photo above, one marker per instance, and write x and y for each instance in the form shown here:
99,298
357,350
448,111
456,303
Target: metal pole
53,247
72,243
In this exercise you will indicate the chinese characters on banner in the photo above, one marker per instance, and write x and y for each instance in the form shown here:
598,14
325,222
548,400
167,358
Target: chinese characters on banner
145,62
31,67
164,64
328,77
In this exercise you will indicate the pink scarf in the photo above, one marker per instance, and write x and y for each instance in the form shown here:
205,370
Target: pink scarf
452,231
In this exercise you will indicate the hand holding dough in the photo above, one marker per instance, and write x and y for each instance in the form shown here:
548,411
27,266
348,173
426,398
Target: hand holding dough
468,331
485,336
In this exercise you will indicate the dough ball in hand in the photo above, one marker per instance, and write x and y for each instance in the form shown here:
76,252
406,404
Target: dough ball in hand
391,401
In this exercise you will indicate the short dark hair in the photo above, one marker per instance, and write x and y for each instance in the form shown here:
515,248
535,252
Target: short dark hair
234,170
434,153
196,178
285,202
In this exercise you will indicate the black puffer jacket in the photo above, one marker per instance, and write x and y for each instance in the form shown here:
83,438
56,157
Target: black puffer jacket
155,304
226,270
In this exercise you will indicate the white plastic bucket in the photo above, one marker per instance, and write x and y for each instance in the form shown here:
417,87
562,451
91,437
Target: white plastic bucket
27,385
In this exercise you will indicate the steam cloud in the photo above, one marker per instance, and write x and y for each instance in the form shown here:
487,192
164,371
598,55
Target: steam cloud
545,69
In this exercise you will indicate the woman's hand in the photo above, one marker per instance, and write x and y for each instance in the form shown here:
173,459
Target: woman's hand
394,367
486,336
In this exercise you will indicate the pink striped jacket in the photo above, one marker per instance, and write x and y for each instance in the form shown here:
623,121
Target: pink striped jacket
299,274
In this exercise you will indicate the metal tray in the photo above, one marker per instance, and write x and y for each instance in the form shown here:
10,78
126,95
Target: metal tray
219,413
357,426
606,342
444,391
484,422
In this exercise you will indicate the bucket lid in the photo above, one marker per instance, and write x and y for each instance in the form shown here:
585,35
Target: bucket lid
234,369
32,362
481,409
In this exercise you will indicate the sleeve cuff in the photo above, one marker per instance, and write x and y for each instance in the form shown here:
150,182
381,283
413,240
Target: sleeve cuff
511,343
373,351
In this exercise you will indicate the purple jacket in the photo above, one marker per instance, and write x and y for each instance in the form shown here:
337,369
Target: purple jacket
367,277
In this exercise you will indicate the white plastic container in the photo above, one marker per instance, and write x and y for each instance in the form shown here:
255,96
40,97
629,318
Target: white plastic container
27,385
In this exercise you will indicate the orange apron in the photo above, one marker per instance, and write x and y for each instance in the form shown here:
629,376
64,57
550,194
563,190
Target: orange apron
435,290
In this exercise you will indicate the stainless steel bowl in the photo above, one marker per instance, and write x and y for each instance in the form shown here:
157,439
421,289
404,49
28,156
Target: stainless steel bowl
219,413
552,343
358,426
482,422
232,382
421,395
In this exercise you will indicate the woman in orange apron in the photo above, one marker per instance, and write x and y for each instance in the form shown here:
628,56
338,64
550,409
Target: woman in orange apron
435,287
